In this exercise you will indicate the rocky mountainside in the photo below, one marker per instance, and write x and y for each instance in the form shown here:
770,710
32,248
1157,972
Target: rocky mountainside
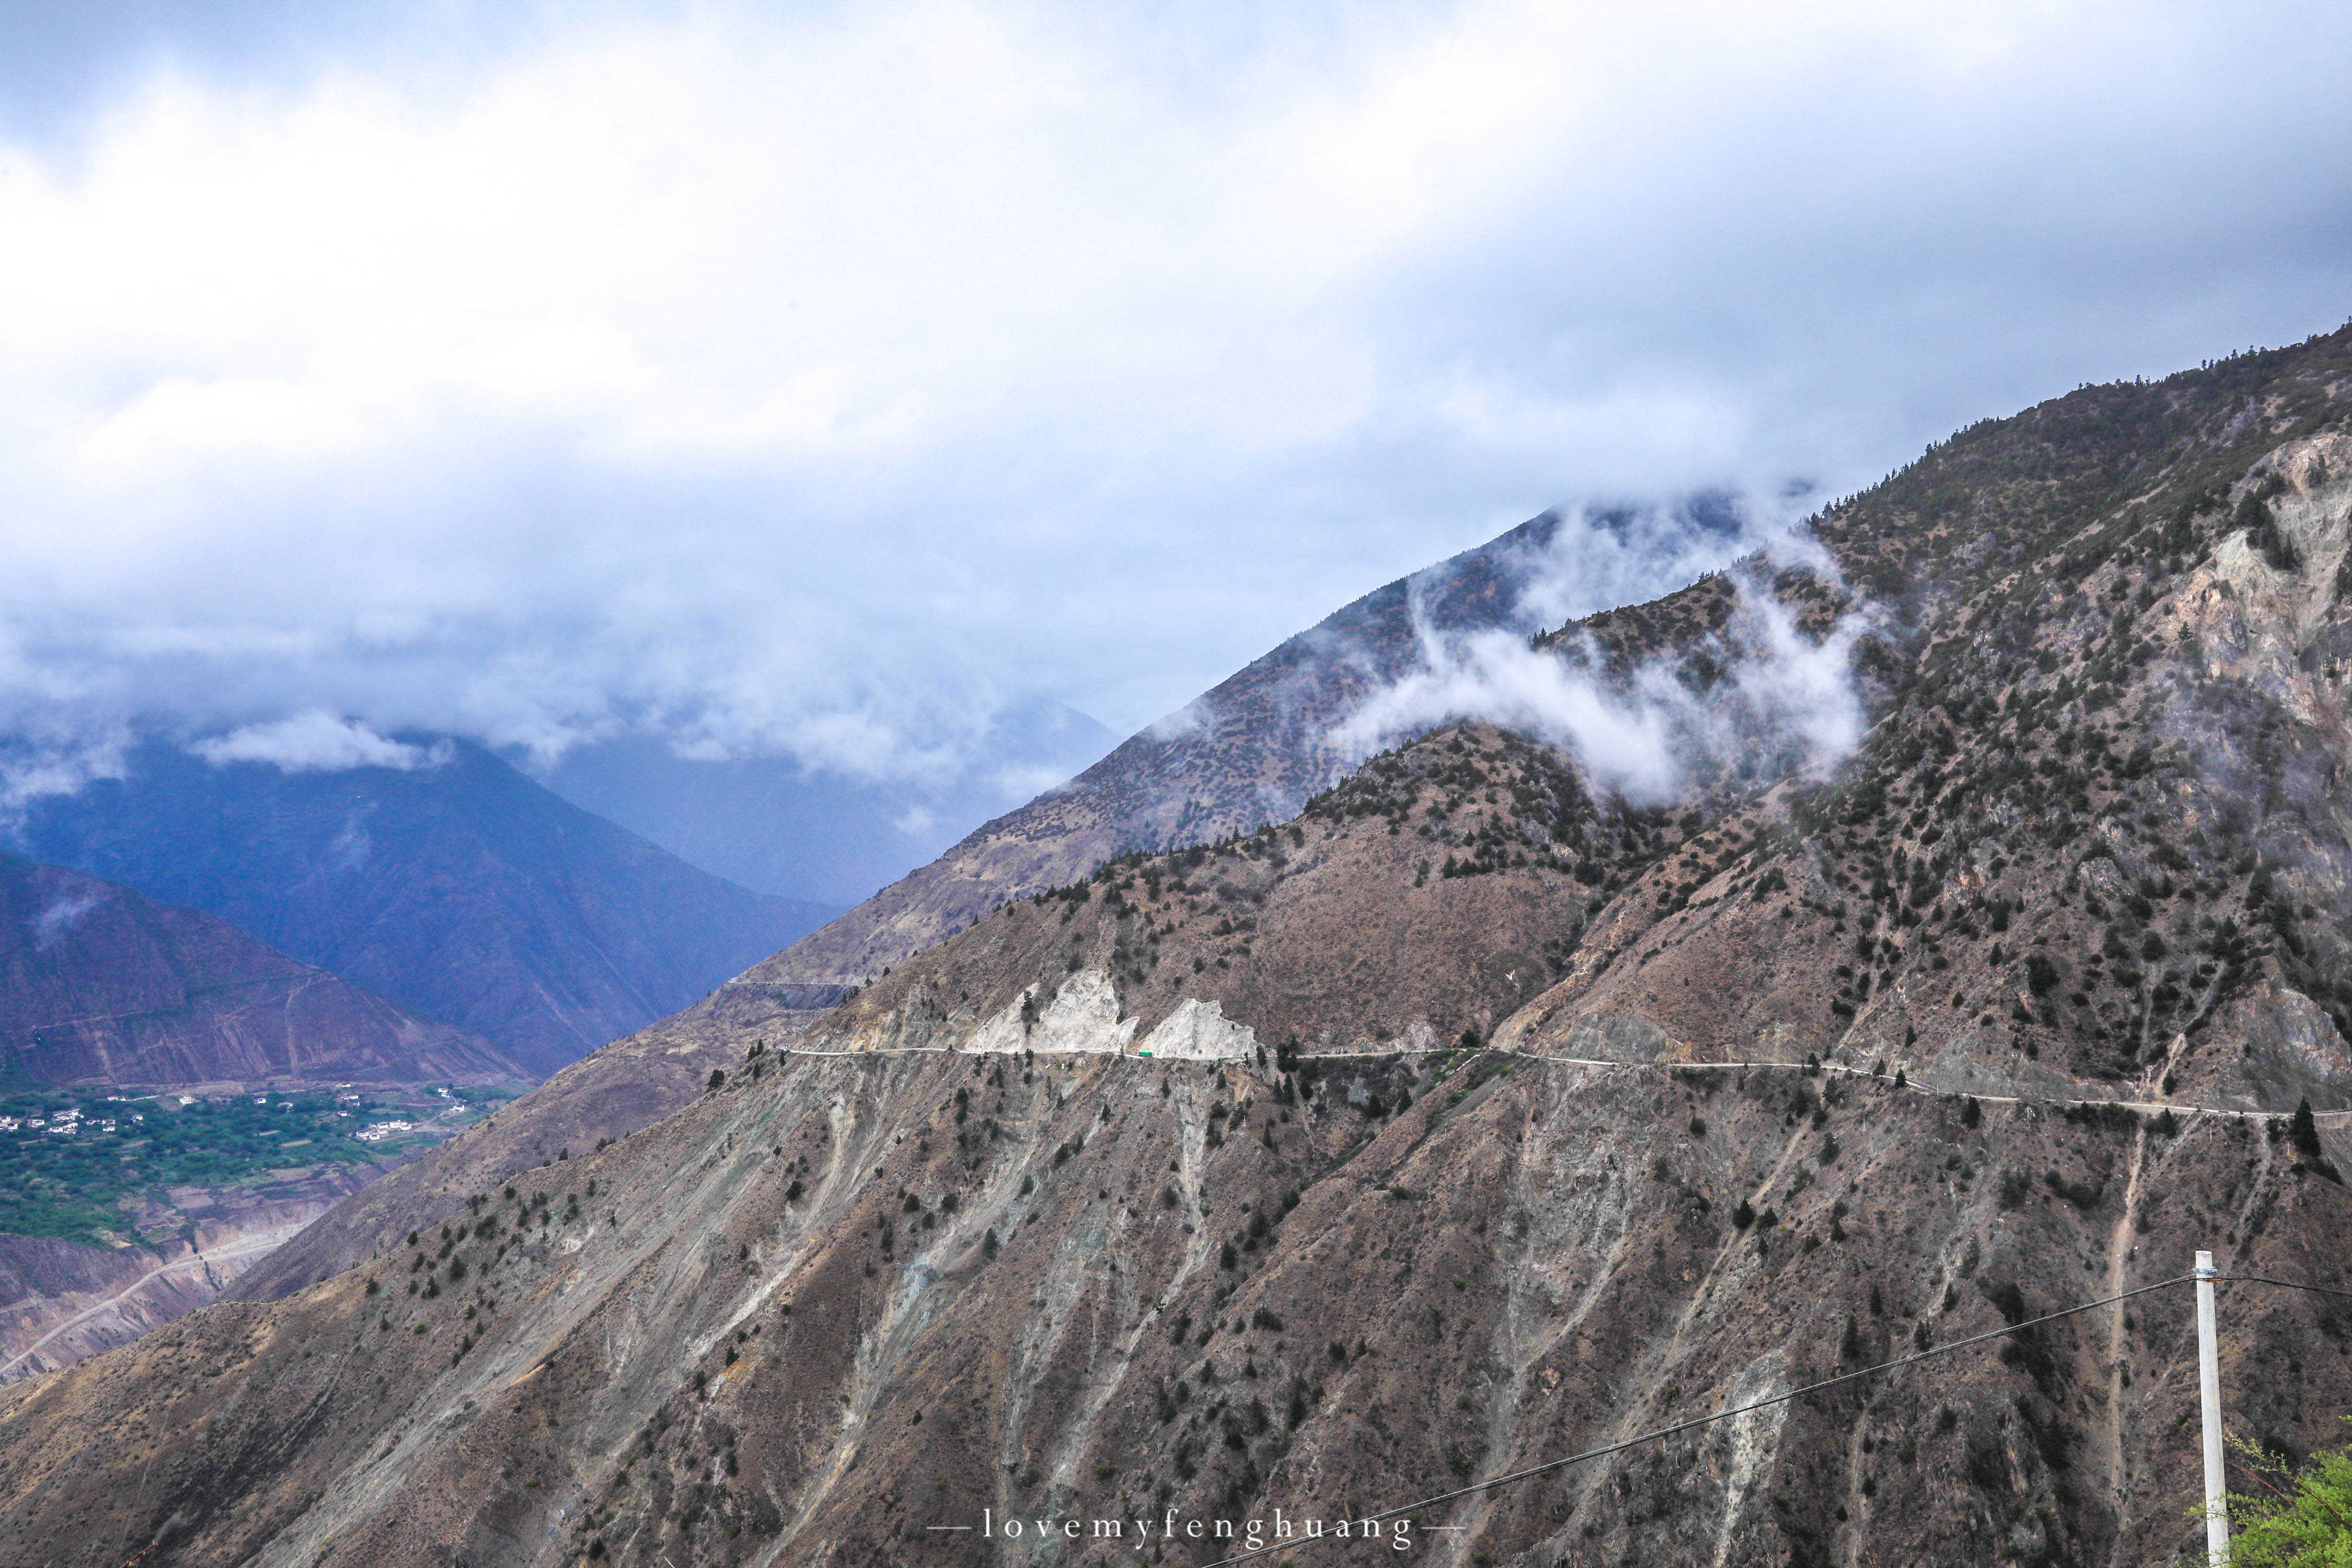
633,1082
1473,1116
99,985
460,890
1248,751
627,1085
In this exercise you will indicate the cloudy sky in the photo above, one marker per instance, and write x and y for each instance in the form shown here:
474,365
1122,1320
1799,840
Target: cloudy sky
818,380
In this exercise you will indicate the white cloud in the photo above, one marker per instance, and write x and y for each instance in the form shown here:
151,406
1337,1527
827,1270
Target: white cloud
57,760
318,742
68,903
1015,785
825,381
1638,733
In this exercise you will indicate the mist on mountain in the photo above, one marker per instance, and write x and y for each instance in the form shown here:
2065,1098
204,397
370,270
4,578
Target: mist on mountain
1759,683
775,824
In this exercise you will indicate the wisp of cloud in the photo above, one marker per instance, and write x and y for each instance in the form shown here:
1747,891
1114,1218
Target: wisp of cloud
1780,698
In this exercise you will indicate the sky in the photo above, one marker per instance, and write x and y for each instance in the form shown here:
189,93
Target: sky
823,382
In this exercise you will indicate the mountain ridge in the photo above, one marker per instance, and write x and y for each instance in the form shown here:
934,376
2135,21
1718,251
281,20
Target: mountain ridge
1820,1062
101,985
1251,749
460,889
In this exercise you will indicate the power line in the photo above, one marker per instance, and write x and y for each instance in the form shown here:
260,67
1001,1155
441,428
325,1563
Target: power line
1781,1398
2290,1284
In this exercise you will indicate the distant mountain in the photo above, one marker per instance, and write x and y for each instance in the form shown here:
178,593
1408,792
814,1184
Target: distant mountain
774,826
459,889
101,985
1248,751
103,988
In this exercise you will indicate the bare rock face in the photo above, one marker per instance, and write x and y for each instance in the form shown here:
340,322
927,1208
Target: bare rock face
1488,1118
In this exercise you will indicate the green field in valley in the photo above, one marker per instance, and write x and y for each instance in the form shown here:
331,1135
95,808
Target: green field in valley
68,1159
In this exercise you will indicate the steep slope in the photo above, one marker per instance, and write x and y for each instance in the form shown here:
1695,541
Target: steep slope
963,1253
2099,834
1511,933
99,985
460,890
815,1315
618,1089
1248,751
61,1300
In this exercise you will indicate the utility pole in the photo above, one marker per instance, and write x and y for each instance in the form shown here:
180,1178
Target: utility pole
2209,1393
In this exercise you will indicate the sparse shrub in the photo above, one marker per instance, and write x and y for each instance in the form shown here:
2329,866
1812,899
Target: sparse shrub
2082,1194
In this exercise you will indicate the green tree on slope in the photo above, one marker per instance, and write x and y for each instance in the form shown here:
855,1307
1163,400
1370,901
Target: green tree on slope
2301,1519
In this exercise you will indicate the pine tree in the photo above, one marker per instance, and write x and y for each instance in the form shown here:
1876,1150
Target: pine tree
2304,1131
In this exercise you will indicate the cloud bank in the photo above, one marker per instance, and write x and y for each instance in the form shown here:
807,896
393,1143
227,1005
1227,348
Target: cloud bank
823,382
1781,700
315,743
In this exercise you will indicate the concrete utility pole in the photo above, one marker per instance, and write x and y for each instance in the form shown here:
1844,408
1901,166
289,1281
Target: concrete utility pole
2209,1394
